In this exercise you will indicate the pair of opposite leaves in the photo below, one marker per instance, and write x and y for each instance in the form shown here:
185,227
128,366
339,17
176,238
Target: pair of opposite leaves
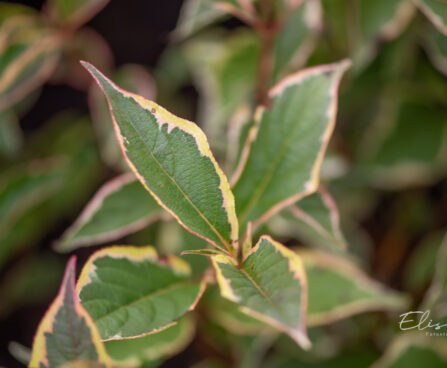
172,159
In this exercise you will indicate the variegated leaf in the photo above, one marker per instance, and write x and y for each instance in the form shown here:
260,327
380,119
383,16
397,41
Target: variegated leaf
130,293
73,13
29,52
269,285
150,348
282,163
339,289
435,11
172,159
67,333
414,350
120,207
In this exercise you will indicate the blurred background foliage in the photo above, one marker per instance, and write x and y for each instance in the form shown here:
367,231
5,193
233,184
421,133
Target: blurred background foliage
386,167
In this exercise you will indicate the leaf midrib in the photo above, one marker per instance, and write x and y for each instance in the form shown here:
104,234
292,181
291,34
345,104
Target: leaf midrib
269,174
264,294
180,189
149,296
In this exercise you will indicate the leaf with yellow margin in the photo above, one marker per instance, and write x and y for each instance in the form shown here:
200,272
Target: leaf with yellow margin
130,293
339,289
288,143
269,285
67,333
29,53
73,13
172,159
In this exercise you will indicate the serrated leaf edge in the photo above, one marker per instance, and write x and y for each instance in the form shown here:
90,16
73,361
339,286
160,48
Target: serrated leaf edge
45,326
163,117
92,207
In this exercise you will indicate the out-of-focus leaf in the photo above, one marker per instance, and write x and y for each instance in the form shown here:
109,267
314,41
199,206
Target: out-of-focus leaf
160,345
435,44
120,207
172,159
11,138
195,15
133,78
9,10
29,282
403,151
85,44
21,353
297,38
129,292
225,70
67,332
435,11
315,218
227,314
437,293
356,28
173,239
269,285
73,13
414,350
66,145
339,289
29,52
346,359
419,269
289,145
22,191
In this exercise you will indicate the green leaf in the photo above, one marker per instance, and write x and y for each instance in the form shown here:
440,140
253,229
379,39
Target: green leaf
383,18
414,350
435,11
297,40
172,159
66,149
22,191
28,55
291,137
405,152
67,332
73,13
11,137
419,271
226,313
133,78
269,285
435,44
339,289
195,15
130,293
120,207
437,292
315,219
28,283
160,345
225,77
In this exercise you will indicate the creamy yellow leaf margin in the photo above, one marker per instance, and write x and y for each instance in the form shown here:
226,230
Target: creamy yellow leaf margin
294,79
137,254
347,268
402,342
38,355
163,117
297,333
436,19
